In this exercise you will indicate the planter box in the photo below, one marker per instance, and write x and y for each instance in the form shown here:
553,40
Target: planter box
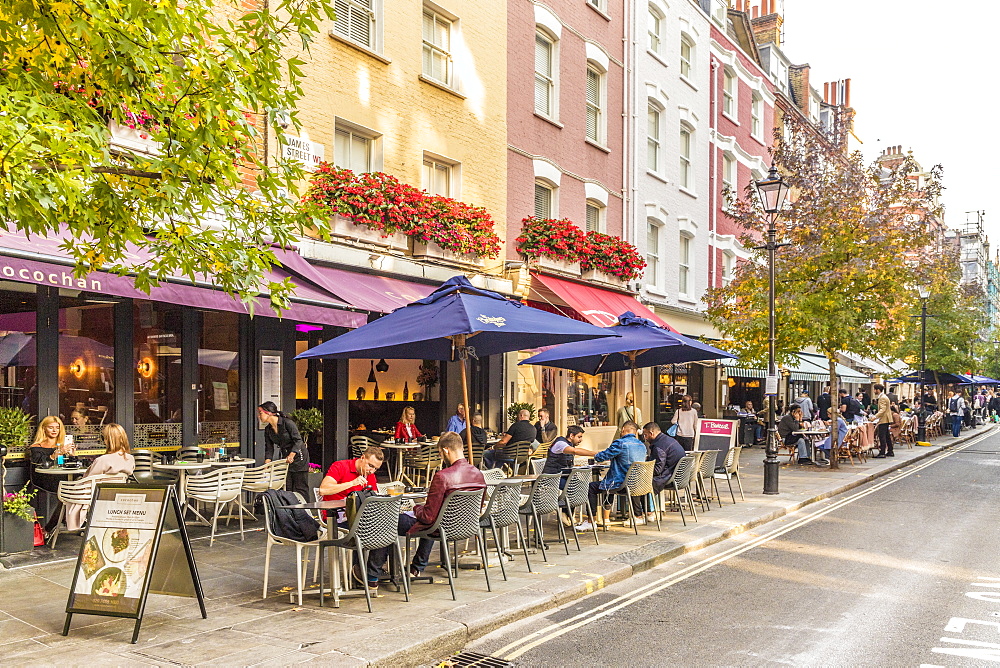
565,267
346,229
432,251
597,276
18,535
130,139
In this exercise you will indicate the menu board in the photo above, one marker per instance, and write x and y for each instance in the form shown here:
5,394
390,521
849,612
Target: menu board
134,543
716,435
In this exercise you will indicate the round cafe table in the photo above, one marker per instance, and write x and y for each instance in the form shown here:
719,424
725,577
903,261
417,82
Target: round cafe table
69,474
400,449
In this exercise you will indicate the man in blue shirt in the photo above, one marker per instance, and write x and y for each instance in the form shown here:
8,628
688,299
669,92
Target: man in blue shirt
621,453
457,421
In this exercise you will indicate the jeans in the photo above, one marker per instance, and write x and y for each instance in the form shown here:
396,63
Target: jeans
490,456
802,444
376,558
594,492
956,425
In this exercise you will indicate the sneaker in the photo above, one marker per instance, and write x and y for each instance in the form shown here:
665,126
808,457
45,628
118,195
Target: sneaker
360,579
640,521
415,572
584,526
822,462
806,462
650,517
890,454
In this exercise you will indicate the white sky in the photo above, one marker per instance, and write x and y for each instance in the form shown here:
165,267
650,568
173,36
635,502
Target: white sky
921,76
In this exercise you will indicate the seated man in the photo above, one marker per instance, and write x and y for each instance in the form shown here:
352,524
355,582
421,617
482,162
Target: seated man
456,422
790,423
563,450
545,430
663,450
522,430
621,453
823,447
457,475
478,433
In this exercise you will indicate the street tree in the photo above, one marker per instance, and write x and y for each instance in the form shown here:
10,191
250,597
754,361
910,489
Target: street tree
197,88
854,236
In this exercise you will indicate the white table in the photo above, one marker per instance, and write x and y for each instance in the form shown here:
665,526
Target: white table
400,449
61,471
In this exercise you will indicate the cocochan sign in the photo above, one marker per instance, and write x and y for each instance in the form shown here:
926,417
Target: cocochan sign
51,275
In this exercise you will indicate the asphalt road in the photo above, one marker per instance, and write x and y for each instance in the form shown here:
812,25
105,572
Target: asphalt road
902,571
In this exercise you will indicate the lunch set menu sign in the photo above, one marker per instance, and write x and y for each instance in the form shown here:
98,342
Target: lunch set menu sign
134,543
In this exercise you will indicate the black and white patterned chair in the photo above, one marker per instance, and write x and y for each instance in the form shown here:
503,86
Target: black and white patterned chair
501,513
543,500
575,495
458,520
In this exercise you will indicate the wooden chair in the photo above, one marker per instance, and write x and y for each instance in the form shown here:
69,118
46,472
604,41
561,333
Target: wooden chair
515,455
359,444
850,446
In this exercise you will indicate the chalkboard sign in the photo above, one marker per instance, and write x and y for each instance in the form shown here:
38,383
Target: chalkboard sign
716,435
135,543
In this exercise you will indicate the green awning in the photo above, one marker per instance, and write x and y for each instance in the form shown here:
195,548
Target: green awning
804,367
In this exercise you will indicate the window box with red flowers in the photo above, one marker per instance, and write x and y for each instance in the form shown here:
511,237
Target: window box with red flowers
439,227
609,259
551,244
344,228
601,257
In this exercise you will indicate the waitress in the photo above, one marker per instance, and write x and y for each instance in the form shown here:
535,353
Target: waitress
281,432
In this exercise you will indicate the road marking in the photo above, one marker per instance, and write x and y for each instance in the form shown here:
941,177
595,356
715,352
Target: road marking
533,640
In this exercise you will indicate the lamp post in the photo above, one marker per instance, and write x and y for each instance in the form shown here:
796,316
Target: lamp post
922,415
772,191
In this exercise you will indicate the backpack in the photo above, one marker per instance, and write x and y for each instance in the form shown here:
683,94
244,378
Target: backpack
953,405
292,523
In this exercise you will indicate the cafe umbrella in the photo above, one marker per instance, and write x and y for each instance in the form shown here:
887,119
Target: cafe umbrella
453,323
640,343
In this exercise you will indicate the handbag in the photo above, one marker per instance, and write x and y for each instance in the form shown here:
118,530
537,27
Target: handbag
672,430
353,501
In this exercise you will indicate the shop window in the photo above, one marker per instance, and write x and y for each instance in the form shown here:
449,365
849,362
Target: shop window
587,399
86,367
157,343
18,377
219,378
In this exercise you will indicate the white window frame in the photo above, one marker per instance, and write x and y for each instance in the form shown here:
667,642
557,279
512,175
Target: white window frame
729,171
452,169
654,255
730,86
599,5
685,176
687,69
655,21
600,210
685,275
553,211
436,49
756,116
598,107
351,132
346,10
654,144
550,80
728,267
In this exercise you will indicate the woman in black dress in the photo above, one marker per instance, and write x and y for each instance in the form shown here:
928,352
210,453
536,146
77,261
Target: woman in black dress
281,432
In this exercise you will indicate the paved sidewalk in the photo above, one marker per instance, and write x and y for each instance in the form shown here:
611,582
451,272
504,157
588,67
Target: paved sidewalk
243,629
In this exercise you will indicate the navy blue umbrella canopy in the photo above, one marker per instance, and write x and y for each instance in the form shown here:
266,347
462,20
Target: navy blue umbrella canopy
975,379
457,313
943,377
641,343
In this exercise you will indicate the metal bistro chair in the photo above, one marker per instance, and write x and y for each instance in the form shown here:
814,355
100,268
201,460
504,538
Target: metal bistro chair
458,520
543,500
706,478
639,484
274,538
359,444
537,466
423,460
494,475
374,527
514,455
502,512
79,492
220,487
575,495
680,481
730,470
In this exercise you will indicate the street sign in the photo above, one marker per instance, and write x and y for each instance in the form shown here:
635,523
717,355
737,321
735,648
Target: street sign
135,543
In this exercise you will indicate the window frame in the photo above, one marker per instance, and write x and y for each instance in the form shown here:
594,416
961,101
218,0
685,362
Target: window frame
654,15
756,115
449,22
550,80
374,23
452,168
601,209
729,171
598,108
728,267
684,265
653,266
686,68
730,86
684,154
654,145
353,131
541,184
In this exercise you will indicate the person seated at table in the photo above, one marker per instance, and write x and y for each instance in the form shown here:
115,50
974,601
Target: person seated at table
118,459
49,444
749,415
478,433
790,423
282,433
457,474
896,426
406,430
663,450
622,452
457,422
823,447
563,450
78,418
545,430
522,430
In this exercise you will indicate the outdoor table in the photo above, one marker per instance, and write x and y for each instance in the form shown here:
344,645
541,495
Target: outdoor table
62,471
812,442
182,469
400,449
231,462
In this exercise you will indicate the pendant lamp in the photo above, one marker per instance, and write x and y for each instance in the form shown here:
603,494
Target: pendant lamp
371,374
382,366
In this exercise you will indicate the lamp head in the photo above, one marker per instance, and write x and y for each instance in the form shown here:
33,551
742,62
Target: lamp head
924,292
772,191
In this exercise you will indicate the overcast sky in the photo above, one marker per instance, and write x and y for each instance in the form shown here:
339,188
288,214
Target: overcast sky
922,75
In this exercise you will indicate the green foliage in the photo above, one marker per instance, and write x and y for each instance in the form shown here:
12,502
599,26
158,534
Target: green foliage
15,427
516,408
19,503
207,82
308,420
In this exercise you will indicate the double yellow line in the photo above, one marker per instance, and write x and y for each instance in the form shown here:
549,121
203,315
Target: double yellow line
552,631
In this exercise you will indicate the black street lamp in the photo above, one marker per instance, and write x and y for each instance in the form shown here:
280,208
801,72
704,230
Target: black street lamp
922,415
772,191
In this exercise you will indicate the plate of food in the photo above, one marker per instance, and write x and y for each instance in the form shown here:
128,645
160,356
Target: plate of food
116,542
109,582
93,560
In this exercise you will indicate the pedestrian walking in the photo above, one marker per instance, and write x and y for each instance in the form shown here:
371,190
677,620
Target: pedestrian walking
807,406
956,411
686,420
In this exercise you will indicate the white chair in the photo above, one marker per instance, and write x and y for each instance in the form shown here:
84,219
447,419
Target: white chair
274,539
81,493
220,487
259,479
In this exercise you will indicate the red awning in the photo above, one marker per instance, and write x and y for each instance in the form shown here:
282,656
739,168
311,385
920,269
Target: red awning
600,307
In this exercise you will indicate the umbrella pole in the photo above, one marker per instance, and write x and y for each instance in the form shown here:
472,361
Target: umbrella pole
460,345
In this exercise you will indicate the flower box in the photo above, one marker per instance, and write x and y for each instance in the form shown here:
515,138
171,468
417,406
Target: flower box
18,534
598,276
566,267
432,251
345,228
134,140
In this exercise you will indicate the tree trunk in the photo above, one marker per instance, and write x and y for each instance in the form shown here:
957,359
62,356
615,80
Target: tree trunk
831,360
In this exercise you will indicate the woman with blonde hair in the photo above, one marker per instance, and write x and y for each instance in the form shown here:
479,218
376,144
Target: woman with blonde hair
50,441
118,459
406,430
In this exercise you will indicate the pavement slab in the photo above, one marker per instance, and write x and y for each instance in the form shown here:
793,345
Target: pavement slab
244,629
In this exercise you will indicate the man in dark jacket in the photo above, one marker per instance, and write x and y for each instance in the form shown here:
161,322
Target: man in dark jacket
457,475
823,402
563,451
663,450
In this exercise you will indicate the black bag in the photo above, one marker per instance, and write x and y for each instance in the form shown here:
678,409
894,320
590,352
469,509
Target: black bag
292,523
353,502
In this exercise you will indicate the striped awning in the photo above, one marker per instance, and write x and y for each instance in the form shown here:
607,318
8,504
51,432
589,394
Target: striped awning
804,367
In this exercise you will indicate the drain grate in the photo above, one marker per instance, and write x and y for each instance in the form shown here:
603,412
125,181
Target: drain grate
468,659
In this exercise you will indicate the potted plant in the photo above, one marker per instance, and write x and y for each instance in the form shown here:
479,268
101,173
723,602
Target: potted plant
15,428
309,421
18,520
516,408
427,377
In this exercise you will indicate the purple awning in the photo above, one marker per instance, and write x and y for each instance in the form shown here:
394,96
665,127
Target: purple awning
370,293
